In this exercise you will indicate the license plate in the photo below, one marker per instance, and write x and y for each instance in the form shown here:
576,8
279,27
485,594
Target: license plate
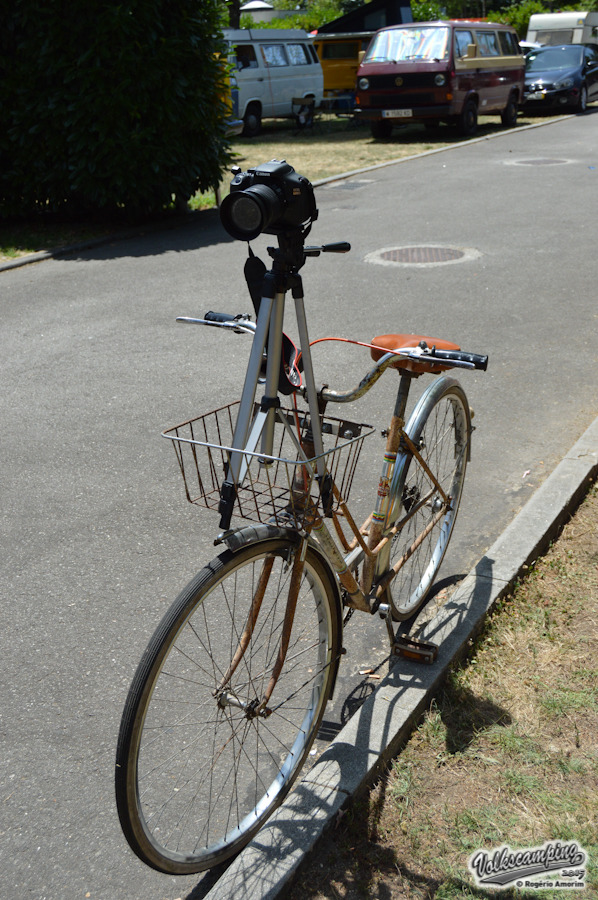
537,95
397,113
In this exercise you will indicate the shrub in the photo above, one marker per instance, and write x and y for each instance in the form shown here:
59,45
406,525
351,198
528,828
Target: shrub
109,105
518,15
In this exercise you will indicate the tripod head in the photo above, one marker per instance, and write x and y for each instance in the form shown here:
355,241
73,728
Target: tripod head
290,254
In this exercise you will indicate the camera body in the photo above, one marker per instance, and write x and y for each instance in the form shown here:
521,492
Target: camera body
270,199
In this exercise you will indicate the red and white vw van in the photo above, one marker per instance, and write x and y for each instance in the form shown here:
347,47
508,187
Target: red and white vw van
449,71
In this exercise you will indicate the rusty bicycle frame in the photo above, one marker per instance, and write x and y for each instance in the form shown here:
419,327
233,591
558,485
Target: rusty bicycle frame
253,435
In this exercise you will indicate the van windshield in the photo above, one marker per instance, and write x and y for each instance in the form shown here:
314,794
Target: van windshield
403,44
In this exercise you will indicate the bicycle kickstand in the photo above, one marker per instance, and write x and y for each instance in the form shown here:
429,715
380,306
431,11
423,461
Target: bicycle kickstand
403,645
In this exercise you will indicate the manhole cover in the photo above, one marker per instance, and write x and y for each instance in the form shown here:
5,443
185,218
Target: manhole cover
539,162
421,254
426,255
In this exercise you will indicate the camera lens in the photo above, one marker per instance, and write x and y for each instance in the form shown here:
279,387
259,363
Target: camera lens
245,214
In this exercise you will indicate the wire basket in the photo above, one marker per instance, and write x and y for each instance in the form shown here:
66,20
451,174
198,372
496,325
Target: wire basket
284,488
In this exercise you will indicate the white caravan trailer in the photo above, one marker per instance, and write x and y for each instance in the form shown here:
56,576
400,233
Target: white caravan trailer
563,28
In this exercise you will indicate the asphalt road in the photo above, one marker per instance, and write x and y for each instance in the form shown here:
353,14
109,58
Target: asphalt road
96,536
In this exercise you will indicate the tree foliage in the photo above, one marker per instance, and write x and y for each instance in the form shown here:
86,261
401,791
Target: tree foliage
518,15
310,16
109,105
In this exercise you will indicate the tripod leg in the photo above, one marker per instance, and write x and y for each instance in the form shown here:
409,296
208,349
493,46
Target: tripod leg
308,375
244,416
270,399
248,428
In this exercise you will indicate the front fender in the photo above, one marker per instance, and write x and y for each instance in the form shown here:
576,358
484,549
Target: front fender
256,534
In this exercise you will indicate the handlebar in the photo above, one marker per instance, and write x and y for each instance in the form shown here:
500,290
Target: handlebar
450,358
338,247
241,324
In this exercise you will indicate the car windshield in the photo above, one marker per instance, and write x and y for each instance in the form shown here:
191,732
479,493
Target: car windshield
553,58
402,44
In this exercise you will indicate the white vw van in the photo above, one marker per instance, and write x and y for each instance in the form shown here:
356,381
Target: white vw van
273,69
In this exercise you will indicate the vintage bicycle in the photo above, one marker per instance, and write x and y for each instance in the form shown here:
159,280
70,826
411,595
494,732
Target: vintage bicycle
229,695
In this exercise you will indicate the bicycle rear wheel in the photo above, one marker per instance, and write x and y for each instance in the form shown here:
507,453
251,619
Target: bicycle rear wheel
199,769
439,428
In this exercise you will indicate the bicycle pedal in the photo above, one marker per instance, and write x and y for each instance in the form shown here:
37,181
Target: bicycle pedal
419,651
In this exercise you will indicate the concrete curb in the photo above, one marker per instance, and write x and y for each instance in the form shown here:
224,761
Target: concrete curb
376,732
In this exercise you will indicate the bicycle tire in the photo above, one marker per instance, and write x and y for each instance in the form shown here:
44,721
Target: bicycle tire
196,779
440,428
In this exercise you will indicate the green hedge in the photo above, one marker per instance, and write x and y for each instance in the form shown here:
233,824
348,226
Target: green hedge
108,105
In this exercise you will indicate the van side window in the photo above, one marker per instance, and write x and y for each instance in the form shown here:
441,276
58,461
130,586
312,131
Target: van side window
508,44
340,50
297,54
488,43
274,55
245,56
462,39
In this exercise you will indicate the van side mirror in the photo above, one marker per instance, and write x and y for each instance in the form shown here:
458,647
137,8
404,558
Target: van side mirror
472,51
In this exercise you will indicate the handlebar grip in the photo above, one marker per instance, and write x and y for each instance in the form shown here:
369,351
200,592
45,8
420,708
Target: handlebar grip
338,247
219,317
476,359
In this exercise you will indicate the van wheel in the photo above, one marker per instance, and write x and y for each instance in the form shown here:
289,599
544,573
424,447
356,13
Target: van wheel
253,121
381,129
468,120
509,114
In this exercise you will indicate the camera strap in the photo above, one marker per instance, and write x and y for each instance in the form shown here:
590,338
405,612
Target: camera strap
291,365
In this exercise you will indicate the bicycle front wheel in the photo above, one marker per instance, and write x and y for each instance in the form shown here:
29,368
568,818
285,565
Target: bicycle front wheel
440,430
199,766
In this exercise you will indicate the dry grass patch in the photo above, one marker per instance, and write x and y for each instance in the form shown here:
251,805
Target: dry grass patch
335,146
508,752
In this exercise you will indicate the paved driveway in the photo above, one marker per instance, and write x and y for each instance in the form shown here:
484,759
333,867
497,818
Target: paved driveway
96,536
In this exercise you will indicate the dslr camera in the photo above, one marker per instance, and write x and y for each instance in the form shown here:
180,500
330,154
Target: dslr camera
270,199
